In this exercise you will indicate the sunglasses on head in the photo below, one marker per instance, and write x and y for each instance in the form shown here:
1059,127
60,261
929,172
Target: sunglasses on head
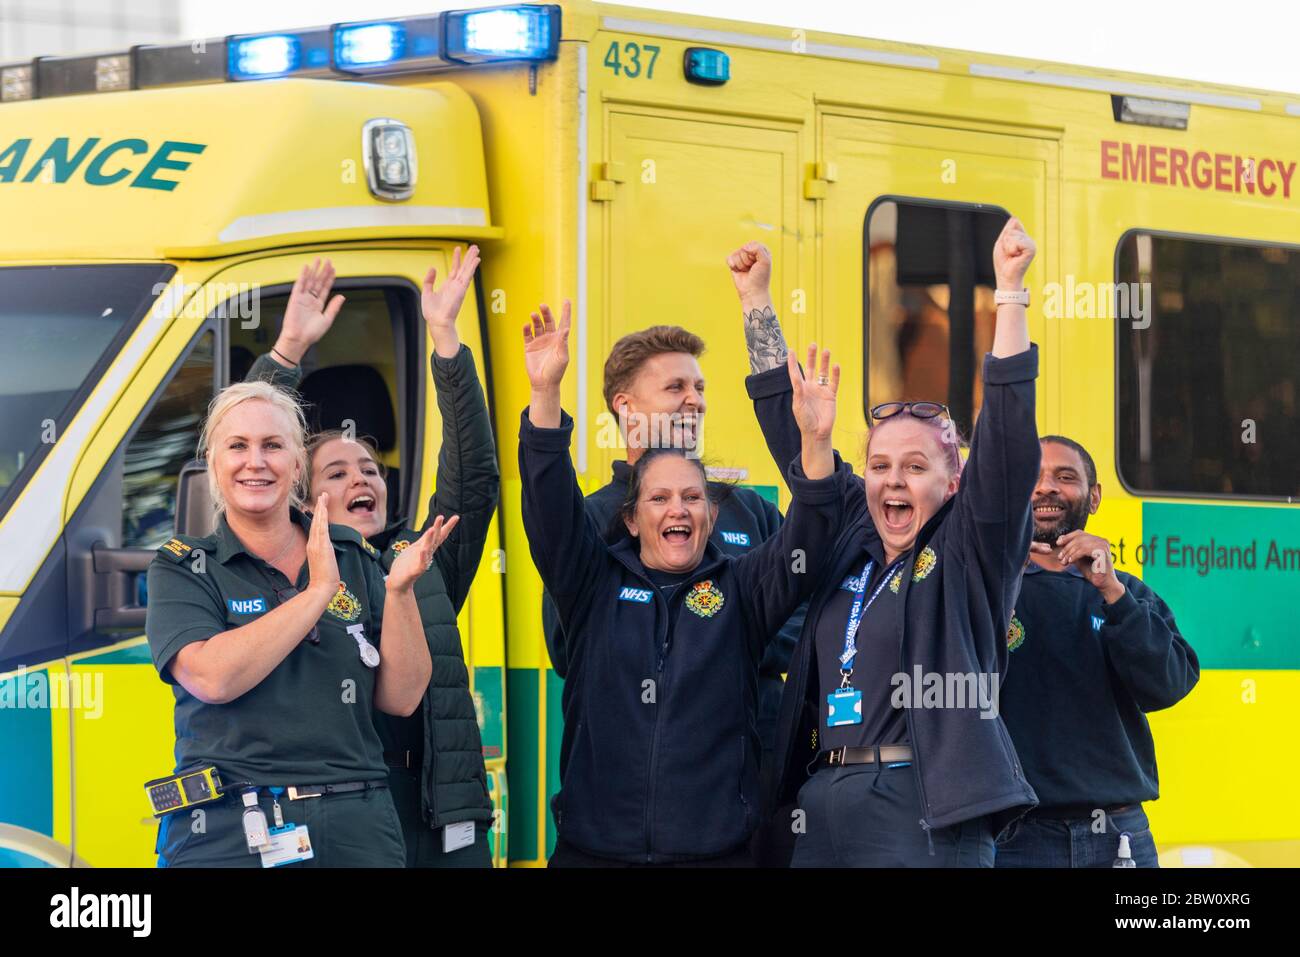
921,410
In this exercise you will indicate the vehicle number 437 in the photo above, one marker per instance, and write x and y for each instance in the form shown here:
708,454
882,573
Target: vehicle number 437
629,61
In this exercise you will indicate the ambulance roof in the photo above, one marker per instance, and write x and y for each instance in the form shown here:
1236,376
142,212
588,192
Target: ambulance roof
584,17
204,171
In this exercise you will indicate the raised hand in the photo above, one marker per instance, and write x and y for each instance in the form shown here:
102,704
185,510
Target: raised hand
546,348
307,316
751,271
441,306
322,566
1012,254
416,558
814,401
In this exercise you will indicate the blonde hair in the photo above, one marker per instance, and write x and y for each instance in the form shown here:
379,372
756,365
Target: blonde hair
230,397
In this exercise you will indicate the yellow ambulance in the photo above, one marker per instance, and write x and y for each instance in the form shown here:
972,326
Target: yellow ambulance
157,203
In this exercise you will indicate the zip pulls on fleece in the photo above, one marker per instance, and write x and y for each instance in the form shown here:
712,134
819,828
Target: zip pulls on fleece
666,609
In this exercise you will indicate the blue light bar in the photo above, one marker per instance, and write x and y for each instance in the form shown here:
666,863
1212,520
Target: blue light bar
369,45
266,55
388,46
502,33
706,66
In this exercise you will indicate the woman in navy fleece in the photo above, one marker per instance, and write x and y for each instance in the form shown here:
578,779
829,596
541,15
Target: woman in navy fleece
890,750
659,760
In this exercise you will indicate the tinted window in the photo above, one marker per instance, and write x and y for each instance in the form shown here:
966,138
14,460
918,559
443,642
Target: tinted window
60,327
930,311
165,441
362,372
1209,380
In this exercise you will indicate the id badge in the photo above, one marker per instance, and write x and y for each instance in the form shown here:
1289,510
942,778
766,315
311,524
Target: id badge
456,836
845,707
289,845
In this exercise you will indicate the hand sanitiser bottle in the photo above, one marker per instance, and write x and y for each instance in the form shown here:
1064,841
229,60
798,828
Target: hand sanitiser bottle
1125,856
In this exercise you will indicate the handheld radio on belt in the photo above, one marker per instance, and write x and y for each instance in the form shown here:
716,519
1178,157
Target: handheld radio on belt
186,788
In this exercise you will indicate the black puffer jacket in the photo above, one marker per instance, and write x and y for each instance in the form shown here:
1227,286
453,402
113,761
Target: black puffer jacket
443,734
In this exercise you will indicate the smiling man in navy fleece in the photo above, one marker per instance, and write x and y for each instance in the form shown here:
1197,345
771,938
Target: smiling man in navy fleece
1092,651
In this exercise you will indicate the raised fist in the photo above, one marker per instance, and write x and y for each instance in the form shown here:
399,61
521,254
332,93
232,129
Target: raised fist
1012,254
751,271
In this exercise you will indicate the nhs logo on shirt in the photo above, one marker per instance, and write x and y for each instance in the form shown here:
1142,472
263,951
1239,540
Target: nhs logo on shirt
642,595
247,606
1097,622
735,538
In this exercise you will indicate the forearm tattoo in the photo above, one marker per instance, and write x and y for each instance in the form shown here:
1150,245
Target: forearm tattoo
766,342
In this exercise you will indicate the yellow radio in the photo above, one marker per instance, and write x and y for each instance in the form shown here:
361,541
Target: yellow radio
188,787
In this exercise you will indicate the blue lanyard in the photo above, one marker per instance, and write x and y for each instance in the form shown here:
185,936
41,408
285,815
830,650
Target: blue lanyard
859,610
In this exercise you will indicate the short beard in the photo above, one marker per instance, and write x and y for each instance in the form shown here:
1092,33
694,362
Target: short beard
1073,520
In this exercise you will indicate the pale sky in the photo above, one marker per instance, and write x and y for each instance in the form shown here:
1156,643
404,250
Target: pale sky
1253,44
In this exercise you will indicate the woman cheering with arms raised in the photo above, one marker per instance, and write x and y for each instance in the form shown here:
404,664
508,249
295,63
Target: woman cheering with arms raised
659,761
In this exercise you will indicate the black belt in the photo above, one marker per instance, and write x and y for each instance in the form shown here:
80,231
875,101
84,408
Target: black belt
889,754
301,791
1071,812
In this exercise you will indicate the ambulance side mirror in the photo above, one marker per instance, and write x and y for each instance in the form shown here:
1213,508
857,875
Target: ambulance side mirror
194,515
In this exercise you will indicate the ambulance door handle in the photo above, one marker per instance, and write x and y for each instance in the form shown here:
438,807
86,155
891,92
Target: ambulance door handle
128,560
113,619
111,562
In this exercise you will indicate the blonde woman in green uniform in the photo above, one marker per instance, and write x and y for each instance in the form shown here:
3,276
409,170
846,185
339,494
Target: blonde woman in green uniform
435,756
269,631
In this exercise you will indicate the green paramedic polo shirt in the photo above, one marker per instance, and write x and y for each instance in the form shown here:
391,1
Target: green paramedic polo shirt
310,720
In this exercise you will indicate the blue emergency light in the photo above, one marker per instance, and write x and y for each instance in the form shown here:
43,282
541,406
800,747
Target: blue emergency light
266,55
388,46
502,33
707,66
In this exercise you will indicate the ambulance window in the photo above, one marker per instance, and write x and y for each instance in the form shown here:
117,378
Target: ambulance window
928,281
61,327
368,370
165,441
1209,366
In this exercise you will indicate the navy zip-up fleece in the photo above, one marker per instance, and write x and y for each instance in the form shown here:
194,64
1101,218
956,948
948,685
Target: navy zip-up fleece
659,759
955,608
745,521
1083,676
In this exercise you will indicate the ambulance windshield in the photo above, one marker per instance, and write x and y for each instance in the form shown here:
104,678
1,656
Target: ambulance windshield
60,327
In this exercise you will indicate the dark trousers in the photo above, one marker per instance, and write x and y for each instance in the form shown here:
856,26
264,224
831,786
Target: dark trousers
864,815
424,843
1077,842
356,829
566,855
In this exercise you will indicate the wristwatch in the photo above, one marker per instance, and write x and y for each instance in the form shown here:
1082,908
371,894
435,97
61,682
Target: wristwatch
1004,296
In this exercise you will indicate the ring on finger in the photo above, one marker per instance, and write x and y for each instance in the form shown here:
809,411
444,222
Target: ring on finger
823,380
